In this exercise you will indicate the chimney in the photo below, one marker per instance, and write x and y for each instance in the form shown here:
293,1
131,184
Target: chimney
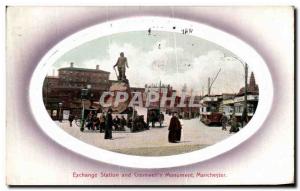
97,67
71,64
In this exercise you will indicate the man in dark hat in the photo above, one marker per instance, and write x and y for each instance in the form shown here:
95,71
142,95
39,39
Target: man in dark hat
108,125
161,119
122,123
102,122
71,118
234,124
224,121
116,123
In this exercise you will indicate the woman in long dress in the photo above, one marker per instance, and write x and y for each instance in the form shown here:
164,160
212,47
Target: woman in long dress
174,129
108,125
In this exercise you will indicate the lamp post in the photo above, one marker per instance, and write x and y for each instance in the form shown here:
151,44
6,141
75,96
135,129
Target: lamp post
245,107
89,93
60,114
85,95
160,93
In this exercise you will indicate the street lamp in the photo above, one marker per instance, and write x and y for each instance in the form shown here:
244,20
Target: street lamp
245,110
89,92
60,107
85,94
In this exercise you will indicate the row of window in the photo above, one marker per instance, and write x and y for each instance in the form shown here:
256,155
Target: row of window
79,85
238,109
78,73
84,79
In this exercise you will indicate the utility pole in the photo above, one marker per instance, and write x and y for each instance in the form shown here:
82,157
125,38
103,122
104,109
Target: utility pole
159,101
190,109
245,108
211,83
245,112
208,87
159,95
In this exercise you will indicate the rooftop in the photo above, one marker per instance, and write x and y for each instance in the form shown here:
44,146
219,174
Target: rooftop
72,68
83,69
52,77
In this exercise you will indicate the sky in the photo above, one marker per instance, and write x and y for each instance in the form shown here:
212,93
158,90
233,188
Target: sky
172,58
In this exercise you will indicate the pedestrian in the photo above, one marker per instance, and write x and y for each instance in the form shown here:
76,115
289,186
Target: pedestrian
122,123
174,129
89,120
234,125
116,123
224,121
108,125
96,123
178,137
71,118
145,125
244,118
161,119
148,119
130,124
102,122
152,118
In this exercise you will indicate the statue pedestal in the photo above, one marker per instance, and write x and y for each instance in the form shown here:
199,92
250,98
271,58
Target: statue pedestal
119,86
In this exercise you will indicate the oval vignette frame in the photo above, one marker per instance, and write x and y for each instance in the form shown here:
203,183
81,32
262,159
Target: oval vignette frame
228,41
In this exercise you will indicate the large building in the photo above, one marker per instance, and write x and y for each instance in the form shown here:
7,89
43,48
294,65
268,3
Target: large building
62,93
81,77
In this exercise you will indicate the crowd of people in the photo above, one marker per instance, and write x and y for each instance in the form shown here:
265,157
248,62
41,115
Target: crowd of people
106,123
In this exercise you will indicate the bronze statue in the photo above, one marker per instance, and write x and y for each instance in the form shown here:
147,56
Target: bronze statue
121,64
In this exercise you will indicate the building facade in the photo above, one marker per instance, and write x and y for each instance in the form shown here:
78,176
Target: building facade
215,105
62,93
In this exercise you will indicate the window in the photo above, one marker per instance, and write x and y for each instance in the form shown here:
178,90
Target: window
54,113
250,108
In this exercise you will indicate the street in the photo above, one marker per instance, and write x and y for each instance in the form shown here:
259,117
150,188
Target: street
153,142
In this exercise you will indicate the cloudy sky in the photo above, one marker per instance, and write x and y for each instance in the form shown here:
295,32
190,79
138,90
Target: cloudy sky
173,58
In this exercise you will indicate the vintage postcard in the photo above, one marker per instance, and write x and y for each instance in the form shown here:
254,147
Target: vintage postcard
150,96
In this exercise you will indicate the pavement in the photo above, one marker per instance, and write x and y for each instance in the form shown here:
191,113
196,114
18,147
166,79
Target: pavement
153,142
